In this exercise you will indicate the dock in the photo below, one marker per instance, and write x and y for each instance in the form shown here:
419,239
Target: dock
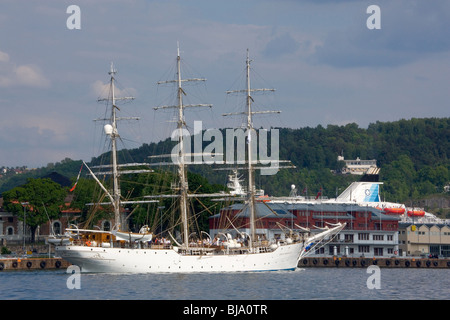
361,262
9,264
32,264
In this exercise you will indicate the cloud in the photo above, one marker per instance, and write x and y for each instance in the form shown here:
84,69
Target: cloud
101,90
4,57
283,44
409,31
30,75
20,75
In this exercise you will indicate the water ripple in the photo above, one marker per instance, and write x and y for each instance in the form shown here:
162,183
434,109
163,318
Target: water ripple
302,284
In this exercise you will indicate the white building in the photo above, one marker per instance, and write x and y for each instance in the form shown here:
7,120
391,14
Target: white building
357,166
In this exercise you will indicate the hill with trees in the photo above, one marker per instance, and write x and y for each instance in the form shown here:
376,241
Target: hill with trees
413,156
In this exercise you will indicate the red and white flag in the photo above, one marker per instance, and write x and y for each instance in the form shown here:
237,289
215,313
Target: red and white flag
319,193
74,186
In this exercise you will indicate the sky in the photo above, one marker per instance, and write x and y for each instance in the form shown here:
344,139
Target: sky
326,65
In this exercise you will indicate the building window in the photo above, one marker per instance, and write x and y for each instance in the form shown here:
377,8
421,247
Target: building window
363,249
434,250
377,251
348,238
106,226
390,237
378,237
331,250
445,250
363,236
57,227
10,231
320,250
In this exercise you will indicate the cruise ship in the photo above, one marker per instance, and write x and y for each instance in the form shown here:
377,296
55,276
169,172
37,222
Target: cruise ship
371,224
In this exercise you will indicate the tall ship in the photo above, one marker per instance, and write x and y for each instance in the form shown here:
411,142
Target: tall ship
121,251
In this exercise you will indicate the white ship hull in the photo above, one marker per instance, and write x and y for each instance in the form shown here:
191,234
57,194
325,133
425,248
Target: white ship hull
125,260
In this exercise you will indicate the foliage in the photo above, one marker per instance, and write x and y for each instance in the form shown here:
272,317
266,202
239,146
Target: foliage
66,167
35,202
414,157
5,250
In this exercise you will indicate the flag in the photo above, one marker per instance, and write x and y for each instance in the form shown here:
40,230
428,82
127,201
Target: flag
319,193
74,186
305,190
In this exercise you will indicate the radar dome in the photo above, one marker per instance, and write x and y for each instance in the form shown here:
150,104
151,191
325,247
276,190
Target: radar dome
108,129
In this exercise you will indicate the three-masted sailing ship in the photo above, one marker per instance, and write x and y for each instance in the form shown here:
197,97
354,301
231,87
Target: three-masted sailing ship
125,252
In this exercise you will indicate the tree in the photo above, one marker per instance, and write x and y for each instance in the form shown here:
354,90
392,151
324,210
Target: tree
35,202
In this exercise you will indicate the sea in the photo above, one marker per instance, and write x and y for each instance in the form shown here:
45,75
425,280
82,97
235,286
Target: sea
301,284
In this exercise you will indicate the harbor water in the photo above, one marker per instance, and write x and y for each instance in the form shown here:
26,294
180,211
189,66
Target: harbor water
303,284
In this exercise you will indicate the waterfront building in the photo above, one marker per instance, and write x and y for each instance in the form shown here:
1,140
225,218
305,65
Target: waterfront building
272,222
417,239
11,229
368,233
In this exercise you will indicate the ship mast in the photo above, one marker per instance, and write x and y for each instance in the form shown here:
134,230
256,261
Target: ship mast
249,113
184,187
112,132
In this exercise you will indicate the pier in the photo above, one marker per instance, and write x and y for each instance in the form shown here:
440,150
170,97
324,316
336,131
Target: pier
361,262
9,264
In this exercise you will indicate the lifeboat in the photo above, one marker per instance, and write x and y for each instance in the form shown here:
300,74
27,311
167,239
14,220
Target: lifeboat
416,213
394,210
263,199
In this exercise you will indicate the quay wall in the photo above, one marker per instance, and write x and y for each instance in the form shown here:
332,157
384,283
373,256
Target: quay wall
347,262
9,264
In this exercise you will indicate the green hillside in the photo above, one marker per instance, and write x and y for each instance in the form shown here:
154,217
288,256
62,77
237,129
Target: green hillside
413,156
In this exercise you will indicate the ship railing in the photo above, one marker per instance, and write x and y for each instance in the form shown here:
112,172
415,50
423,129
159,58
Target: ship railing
120,244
